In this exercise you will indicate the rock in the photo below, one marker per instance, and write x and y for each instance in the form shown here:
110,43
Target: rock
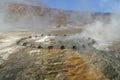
74,47
58,26
50,47
39,47
62,47
61,76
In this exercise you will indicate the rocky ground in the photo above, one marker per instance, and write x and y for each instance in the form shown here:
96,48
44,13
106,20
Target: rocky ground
21,62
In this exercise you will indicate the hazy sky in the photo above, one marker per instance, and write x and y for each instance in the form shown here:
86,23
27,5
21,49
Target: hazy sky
91,5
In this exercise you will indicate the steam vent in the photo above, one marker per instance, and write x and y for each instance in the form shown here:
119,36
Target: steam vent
42,43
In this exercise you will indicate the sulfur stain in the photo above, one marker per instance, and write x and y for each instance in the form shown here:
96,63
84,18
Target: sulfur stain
78,68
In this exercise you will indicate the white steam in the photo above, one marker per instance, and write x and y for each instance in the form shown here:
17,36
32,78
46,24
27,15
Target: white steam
3,25
103,33
8,22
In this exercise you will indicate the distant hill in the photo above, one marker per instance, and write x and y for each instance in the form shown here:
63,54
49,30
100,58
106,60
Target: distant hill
18,11
36,16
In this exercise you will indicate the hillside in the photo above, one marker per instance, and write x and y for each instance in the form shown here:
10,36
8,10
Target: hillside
18,12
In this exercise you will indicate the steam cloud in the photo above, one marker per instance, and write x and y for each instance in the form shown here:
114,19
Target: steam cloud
104,34
25,21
